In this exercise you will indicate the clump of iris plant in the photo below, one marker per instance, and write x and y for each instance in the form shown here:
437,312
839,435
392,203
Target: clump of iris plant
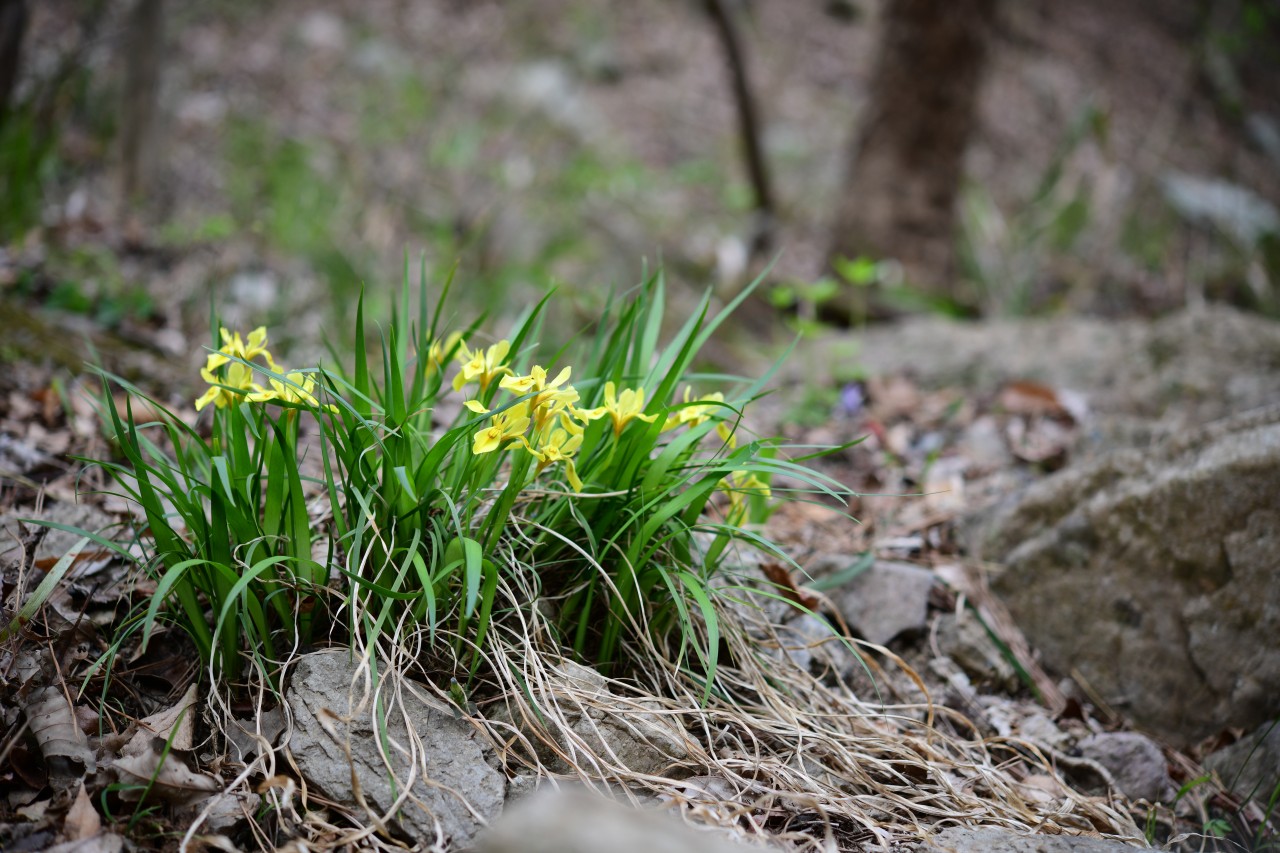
330,500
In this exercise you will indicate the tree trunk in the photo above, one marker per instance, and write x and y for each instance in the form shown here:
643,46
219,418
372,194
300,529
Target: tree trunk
13,26
900,194
144,43
748,126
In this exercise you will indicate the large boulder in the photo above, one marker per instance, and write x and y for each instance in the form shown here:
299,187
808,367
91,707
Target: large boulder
338,742
1139,377
1153,574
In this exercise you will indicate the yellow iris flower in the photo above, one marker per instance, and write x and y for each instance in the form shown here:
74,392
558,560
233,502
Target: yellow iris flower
699,411
232,345
621,408
481,366
238,381
302,391
236,376
548,399
560,446
695,411
507,426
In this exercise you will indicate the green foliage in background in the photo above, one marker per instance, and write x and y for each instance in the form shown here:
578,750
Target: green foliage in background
27,162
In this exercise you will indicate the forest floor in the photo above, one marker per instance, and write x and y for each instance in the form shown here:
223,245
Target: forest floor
309,147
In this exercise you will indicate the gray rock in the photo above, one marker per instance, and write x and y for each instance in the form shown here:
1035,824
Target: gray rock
887,600
814,645
1134,761
1250,767
738,582
575,822
1241,213
964,640
335,741
991,840
601,725
1139,378
1264,130
1153,574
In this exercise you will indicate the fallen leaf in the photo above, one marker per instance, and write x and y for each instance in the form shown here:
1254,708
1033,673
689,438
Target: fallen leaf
778,575
164,776
1032,399
54,724
34,812
82,818
176,725
1041,789
1040,441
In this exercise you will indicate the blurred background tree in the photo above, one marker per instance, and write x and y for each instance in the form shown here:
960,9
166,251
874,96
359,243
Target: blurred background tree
883,155
906,162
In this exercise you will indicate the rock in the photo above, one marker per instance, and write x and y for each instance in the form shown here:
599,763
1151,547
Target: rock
1153,573
602,726
1264,130
323,31
886,601
1250,767
575,822
991,840
737,583
1039,728
1243,214
1134,761
813,644
1139,378
335,737
964,640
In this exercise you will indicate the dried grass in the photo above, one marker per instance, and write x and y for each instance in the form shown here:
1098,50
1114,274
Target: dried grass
775,754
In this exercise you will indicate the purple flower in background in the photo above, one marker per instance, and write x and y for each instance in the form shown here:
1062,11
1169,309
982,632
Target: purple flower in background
852,399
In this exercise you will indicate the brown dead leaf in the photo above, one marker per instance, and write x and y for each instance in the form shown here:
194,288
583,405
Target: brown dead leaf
163,776
35,811
1042,789
778,575
176,725
54,725
152,763
85,564
82,818
1032,399
1023,397
50,403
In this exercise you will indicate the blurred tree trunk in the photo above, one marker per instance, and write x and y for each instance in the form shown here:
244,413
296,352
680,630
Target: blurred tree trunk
899,196
13,26
144,55
748,125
